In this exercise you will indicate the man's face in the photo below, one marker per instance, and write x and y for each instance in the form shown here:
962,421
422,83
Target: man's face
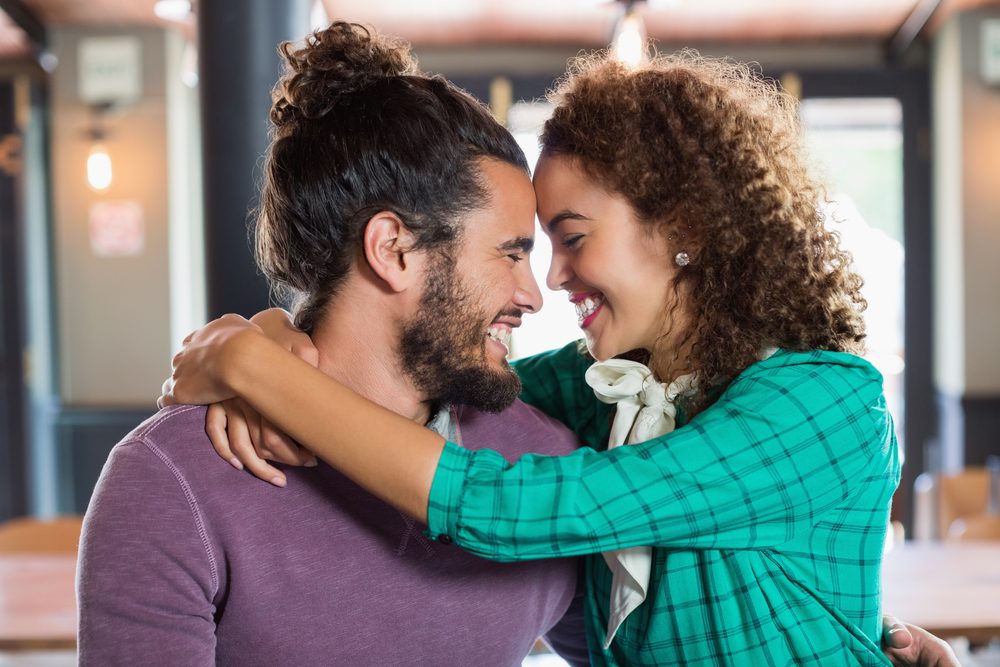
455,347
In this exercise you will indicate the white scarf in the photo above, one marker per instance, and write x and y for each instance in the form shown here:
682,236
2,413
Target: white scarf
645,411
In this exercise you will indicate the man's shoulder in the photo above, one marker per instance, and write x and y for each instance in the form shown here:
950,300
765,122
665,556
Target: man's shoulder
519,429
175,435
170,422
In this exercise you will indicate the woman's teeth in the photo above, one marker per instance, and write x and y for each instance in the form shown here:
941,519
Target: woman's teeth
588,306
501,335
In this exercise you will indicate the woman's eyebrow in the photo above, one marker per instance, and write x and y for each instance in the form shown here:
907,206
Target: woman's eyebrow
564,214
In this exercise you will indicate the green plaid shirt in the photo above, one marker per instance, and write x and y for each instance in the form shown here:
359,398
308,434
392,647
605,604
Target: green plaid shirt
767,512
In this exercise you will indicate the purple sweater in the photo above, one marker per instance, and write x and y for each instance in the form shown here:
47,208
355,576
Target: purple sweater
187,561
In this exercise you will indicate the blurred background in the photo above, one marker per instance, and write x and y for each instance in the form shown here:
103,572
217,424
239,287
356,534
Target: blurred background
130,138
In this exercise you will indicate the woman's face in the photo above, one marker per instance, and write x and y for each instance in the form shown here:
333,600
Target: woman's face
617,271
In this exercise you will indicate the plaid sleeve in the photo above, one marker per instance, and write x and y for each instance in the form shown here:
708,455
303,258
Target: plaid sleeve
553,382
780,447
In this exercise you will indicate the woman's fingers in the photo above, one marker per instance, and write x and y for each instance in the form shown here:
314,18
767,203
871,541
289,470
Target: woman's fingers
270,443
216,422
277,325
166,394
241,436
307,352
282,448
242,447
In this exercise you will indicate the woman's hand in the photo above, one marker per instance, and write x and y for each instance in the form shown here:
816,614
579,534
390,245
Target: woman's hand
240,434
243,437
200,368
262,441
277,325
909,646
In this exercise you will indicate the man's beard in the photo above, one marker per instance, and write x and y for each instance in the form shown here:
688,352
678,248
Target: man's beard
443,347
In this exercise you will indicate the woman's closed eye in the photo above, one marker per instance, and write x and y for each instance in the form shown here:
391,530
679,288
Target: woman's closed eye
572,240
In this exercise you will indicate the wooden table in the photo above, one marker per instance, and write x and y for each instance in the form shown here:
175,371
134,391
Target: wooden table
949,589
37,602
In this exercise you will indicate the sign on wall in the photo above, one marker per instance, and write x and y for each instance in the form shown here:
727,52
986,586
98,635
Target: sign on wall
990,51
110,69
117,229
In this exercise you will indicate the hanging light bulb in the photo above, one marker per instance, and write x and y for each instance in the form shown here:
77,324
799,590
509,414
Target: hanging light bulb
98,160
99,167
173,10
628,44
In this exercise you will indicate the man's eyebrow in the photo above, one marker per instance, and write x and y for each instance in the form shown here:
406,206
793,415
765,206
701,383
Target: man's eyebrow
521,243
564,214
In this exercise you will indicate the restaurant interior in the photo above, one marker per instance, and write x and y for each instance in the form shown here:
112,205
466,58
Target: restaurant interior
131,134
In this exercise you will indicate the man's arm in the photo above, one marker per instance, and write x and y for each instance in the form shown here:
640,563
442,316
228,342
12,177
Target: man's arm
146,576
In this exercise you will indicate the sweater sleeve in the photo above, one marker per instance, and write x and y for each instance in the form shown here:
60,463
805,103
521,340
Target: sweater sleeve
568,637
778,449
146,575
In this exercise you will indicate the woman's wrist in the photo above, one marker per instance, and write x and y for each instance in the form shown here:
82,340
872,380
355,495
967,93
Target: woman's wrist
239,359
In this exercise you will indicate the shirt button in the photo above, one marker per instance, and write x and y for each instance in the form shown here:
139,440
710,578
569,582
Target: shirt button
444,539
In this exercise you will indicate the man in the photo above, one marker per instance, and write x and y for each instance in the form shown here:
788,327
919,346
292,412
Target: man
400,215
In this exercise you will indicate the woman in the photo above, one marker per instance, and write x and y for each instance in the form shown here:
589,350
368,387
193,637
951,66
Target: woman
687,232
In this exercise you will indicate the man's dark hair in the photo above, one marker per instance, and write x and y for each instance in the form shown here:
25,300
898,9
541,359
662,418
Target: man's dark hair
357,129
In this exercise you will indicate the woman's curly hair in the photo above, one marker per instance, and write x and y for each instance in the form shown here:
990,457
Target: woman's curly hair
710,154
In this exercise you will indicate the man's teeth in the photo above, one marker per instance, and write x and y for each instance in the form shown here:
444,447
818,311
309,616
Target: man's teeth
586,308
501,335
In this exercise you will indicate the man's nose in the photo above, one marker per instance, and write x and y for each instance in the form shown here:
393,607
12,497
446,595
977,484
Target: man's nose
527,296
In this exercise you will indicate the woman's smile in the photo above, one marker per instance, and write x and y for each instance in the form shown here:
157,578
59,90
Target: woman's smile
588,305
617,270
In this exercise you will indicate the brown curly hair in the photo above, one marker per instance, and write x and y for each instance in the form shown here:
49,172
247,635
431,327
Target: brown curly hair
710,154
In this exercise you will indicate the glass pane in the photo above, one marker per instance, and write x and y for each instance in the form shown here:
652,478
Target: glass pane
555,325
857,149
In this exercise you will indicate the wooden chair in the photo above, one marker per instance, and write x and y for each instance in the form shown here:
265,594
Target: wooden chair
964,498
960,494
60,535
970,528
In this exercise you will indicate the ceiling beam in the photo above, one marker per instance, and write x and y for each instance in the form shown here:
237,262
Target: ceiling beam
911,28
25,19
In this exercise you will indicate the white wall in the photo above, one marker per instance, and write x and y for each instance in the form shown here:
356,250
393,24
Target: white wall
113,313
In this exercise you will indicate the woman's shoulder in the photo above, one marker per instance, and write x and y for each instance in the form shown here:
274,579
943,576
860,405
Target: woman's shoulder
814,362
813,395
814,376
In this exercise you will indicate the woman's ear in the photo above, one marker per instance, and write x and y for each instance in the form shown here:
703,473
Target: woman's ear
388,249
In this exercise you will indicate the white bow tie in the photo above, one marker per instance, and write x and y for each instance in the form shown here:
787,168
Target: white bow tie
645,410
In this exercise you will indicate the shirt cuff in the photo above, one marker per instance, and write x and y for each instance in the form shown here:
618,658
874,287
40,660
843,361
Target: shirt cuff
446,492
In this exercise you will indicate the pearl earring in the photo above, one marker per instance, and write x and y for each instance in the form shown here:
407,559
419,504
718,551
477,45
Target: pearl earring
682,259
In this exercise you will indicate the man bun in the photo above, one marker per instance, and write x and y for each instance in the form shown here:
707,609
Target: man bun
340,60
358,130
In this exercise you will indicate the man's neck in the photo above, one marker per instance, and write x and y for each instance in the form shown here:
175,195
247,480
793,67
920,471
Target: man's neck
358,348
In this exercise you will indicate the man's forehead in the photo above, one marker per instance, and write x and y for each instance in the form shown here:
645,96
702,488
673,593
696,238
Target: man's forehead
508,214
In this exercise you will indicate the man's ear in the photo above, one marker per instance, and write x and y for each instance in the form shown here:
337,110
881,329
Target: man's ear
387,247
